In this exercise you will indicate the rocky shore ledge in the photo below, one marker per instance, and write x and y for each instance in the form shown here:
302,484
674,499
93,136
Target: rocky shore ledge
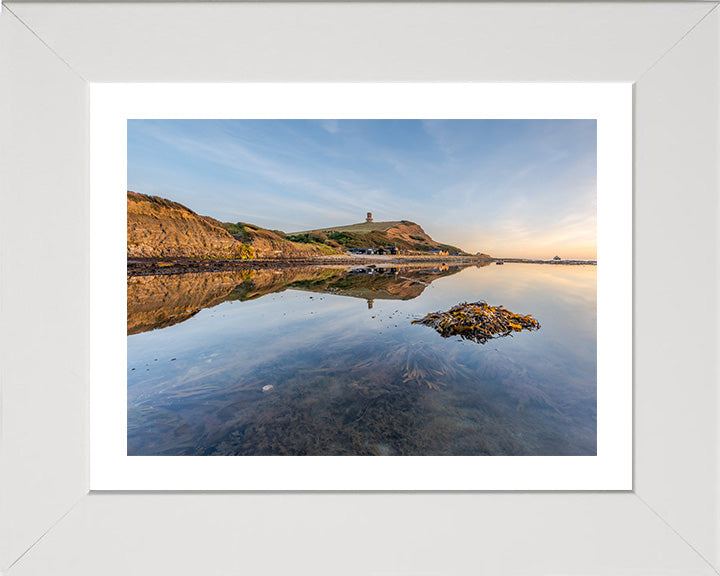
557,262
155,266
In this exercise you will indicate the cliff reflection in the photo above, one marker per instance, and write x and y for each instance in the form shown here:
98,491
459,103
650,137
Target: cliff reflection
164,300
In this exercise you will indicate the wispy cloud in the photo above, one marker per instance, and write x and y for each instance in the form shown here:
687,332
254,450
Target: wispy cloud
330,126
514,188
300,191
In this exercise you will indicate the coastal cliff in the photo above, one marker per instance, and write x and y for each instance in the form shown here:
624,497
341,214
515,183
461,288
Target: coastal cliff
406,236
161,228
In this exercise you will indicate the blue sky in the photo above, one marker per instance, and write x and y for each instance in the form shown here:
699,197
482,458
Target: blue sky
510,188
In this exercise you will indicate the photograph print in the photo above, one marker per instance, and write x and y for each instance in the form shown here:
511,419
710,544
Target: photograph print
362,287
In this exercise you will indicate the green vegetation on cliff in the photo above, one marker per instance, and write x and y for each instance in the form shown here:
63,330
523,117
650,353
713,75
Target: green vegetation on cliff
406,236
161,228
273,242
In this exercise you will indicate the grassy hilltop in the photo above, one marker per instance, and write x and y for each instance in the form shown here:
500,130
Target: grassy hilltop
405,235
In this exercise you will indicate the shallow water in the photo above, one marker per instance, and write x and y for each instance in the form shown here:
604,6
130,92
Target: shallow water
326,362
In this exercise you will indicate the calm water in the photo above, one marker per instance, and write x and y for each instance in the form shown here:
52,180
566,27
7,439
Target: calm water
322,361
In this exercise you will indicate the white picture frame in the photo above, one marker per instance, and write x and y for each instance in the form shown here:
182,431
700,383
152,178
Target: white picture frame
668,523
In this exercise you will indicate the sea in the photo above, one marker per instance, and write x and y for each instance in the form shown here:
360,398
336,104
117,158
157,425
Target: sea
323,360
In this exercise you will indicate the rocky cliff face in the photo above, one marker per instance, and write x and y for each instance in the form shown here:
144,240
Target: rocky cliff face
411,236
409,232
160,228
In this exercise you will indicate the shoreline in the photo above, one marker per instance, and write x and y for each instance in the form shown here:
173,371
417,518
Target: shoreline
555,262
170,265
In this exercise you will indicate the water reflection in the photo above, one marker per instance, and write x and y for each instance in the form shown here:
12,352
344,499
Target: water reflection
163,300
283,362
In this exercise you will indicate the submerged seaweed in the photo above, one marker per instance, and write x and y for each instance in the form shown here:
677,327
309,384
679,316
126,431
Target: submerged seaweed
478,321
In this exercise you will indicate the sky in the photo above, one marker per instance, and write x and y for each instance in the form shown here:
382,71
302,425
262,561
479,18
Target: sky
508,188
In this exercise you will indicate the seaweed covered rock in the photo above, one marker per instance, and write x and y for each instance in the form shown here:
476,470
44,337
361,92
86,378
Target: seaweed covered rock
478,321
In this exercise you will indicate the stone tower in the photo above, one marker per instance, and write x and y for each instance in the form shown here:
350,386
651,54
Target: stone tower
369,217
